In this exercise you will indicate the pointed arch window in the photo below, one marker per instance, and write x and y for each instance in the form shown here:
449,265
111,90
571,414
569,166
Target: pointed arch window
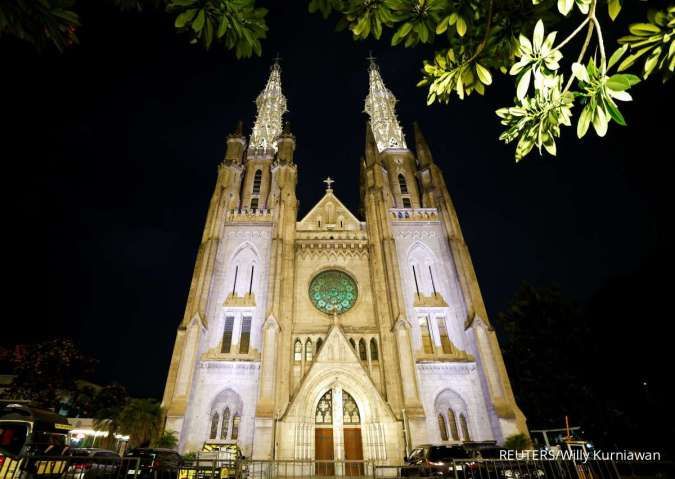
235,427
225,426
427,347
227,335
324,410
297,351
452,421
309,350
257,181
319,342
402,184
245,337
353,343
214,425
350,410
442,427
363,354
374,354
465,427
446,345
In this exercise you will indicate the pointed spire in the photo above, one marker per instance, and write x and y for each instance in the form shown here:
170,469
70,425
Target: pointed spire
380,106
271,105
424,157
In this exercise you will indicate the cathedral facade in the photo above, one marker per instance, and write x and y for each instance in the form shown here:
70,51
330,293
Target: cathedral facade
333,336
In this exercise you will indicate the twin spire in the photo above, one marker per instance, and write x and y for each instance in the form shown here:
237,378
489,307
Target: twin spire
271,104
380,106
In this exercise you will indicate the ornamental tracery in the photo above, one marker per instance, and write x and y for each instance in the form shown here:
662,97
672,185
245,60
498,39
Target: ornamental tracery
333,292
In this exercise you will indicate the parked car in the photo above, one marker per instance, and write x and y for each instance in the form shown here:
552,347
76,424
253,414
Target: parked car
154,463
440,460
90,463
32,442
491,463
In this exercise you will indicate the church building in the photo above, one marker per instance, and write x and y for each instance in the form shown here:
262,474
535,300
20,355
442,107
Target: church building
334,336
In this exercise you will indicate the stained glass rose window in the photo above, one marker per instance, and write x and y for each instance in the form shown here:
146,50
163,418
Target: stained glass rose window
333,292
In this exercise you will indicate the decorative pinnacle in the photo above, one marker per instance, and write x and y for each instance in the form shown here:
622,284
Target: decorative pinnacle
271,104
329,181
380,106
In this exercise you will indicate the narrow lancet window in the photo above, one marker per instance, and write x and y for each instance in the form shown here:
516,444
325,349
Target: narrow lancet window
309,350
465,427
403,185
453,425
245,338
297,351
442,427
363,355
257,180
427,347
227,335
374,355
225,425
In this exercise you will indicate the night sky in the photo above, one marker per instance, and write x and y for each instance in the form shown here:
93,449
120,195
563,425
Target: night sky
111,149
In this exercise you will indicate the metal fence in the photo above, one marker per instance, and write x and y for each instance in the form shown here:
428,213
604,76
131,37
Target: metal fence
61,467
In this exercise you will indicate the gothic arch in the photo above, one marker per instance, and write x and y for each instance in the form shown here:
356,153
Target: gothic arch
242,272
449,400
225,406
427,267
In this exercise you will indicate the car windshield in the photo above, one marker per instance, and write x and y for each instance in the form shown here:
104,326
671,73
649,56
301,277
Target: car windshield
48,443
447,453
141,453
12,437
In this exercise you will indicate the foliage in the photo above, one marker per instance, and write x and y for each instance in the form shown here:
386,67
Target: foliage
518,442
142,420
474,40
167,439
238,24
655,41
40,22
477,39
46,372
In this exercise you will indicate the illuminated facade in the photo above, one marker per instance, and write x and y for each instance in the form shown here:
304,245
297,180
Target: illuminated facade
331,336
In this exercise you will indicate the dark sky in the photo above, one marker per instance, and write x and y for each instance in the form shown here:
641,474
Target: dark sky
119,139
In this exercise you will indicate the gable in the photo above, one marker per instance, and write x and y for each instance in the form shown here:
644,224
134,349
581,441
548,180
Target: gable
329,214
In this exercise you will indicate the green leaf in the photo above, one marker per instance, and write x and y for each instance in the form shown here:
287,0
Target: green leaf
198,24
600,121
538,37
523,84
613,7
580,72
584,121
483,74
643,29
185,17
615,114
616,56
564,6
461,26
622,81
442,25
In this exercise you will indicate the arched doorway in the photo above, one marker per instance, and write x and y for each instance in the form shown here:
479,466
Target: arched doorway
351,422
323,435
342,429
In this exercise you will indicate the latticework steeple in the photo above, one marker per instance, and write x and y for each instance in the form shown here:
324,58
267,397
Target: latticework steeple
271,105
380,106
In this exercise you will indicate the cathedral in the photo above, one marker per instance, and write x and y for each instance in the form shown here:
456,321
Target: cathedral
334,336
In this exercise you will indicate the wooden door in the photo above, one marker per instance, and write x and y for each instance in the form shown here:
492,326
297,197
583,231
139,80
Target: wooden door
323,444
353,451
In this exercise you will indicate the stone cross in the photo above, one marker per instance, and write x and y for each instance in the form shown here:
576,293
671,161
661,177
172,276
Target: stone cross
329,181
